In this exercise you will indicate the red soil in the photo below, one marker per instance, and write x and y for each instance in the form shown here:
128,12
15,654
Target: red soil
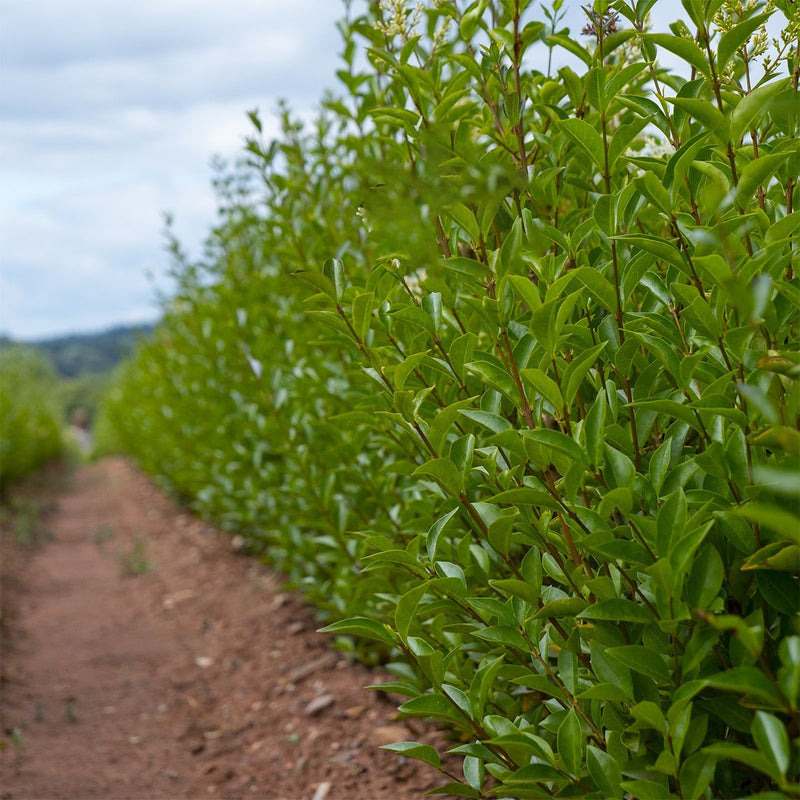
196,678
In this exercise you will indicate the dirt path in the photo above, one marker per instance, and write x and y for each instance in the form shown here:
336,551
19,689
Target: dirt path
145,660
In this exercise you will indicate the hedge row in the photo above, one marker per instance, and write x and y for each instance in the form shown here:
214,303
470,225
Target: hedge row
30,419
498,362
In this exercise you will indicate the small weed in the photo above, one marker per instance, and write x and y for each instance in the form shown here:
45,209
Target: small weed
103,534
17,741
135,561
69,710
25,520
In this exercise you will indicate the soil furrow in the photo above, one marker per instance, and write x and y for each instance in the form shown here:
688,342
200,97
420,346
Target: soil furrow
144,659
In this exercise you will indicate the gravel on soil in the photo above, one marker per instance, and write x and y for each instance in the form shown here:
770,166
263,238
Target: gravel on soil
144,659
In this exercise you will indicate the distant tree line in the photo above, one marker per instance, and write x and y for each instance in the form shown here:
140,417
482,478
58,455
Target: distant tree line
78,354
81,365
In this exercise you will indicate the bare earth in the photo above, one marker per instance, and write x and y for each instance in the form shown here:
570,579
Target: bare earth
194,678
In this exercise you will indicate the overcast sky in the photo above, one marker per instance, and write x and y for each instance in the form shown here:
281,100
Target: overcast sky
110,114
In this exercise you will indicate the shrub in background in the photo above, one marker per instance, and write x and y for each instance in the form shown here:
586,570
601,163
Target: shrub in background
500,365
30,419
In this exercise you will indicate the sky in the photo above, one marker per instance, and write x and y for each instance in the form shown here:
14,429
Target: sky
110,115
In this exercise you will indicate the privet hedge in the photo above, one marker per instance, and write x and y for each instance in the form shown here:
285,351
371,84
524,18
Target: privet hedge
498,361
30,418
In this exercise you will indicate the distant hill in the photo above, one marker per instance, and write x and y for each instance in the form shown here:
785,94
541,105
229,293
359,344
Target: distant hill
87,353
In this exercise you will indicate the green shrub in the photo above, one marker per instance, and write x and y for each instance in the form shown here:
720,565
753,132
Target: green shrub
500,366
30,419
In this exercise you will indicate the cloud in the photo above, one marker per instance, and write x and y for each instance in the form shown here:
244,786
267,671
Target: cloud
111,114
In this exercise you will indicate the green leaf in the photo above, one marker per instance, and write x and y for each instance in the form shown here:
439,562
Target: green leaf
586,137
671,521
333,269
401,117
496,377
642,659
606,691
564,607
319,281
577,369
421,752
459,697
617,609
406,367
597,285
362,313
705,579
405,611
622,138
605,772
671,408
758,172
727,751
746,681
686,49
610,670
733,39
545,386
444,472
701,317
570,741
663,250
648,790
527,291
488,419
455,790
468,266
659,464
511,249
619,469
771,738
704,112
696,774
777,519
780,589
444,422
473,772
505,635
557,441
526,496
649,714
517,588
595,83
779,556
465,218
432,305
680,162
754,106
572,46
435,531
593,429
434,706
780,481
483,682
620,498
363,627
525,776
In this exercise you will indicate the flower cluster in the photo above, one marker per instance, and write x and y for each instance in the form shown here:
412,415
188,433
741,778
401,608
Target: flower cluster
397,19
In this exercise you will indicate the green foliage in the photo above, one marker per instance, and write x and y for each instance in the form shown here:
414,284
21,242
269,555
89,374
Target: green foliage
81,397
500,367
30,418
